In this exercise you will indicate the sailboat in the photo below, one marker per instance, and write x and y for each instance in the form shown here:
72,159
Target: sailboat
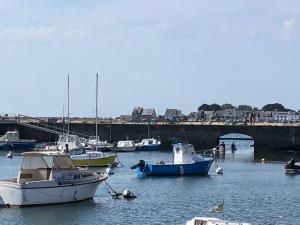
67,142
94,158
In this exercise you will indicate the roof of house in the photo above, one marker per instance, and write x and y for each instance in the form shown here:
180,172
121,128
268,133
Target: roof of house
172,112
148,112
138,110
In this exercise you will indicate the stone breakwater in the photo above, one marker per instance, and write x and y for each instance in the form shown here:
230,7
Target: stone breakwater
271,142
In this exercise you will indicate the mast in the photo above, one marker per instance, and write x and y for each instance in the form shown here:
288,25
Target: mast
68,105
148,128
96,111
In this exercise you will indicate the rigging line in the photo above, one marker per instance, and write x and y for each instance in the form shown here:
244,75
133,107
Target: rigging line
83,95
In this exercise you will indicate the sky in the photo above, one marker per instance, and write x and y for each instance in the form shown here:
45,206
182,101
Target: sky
154,54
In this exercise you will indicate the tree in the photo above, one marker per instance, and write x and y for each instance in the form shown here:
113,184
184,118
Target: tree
227,106
204,107
212,107
244,108
273,107
215,107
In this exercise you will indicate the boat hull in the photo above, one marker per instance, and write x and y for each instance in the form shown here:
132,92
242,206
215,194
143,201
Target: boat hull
13,194
154,147
292,171
125,149
197,168
96,162
17,145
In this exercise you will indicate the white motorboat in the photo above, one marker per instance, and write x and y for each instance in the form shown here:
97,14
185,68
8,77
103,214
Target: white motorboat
95,142
212,221
125,146
69,143
149,144
48,178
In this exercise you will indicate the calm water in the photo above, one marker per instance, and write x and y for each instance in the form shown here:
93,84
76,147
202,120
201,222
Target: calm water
253,192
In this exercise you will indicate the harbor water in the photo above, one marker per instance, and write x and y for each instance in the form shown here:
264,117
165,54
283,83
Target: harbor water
259,193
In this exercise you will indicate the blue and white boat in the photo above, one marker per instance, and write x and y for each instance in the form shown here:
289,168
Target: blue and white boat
149,144
11,141
185,162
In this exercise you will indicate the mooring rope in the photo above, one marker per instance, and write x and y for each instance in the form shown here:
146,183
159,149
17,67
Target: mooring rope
110,190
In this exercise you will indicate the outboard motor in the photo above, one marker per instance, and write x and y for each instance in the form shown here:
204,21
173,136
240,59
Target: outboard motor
142,165
291,164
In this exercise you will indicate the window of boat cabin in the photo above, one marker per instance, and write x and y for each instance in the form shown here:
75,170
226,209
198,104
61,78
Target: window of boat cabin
63,162
200,222
37,162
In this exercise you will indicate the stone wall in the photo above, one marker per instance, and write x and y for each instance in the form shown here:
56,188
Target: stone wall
271,142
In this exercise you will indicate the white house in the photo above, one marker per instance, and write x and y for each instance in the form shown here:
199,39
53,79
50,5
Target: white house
286,116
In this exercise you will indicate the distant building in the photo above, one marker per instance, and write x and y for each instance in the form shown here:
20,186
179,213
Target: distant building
173,114
126,118
192,116
264,116
137,114
148,114
209,115
286,116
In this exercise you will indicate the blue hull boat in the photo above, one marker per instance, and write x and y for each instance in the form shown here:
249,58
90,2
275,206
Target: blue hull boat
198,168
11,141
185,162
149,148
17,146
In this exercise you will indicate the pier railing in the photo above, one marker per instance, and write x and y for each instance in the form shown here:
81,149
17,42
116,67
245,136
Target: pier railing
42,125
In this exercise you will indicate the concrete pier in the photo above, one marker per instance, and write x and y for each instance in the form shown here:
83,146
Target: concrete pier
271,142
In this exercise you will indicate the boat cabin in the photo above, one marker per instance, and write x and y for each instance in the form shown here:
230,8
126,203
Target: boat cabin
122,144
10,136
71,140
150,141
184,153
38,166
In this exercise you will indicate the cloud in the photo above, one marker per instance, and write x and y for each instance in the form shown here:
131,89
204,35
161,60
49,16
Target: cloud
43,33
287,29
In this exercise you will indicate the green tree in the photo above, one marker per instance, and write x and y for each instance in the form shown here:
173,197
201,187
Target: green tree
244,108
212,107
273,107
227,106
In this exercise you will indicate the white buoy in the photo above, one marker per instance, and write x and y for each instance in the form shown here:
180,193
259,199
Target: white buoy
128,194
219,170
9,155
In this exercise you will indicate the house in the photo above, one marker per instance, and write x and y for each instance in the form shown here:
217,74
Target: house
173,114
209,115
148,114
137,114
192,116
125,118
264,116
286,116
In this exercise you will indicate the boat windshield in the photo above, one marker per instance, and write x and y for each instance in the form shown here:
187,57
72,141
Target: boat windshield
37,162
10,135
94,138
200,222
63,162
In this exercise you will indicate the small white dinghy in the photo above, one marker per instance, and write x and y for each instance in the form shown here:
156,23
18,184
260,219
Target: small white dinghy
212,221
48,178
